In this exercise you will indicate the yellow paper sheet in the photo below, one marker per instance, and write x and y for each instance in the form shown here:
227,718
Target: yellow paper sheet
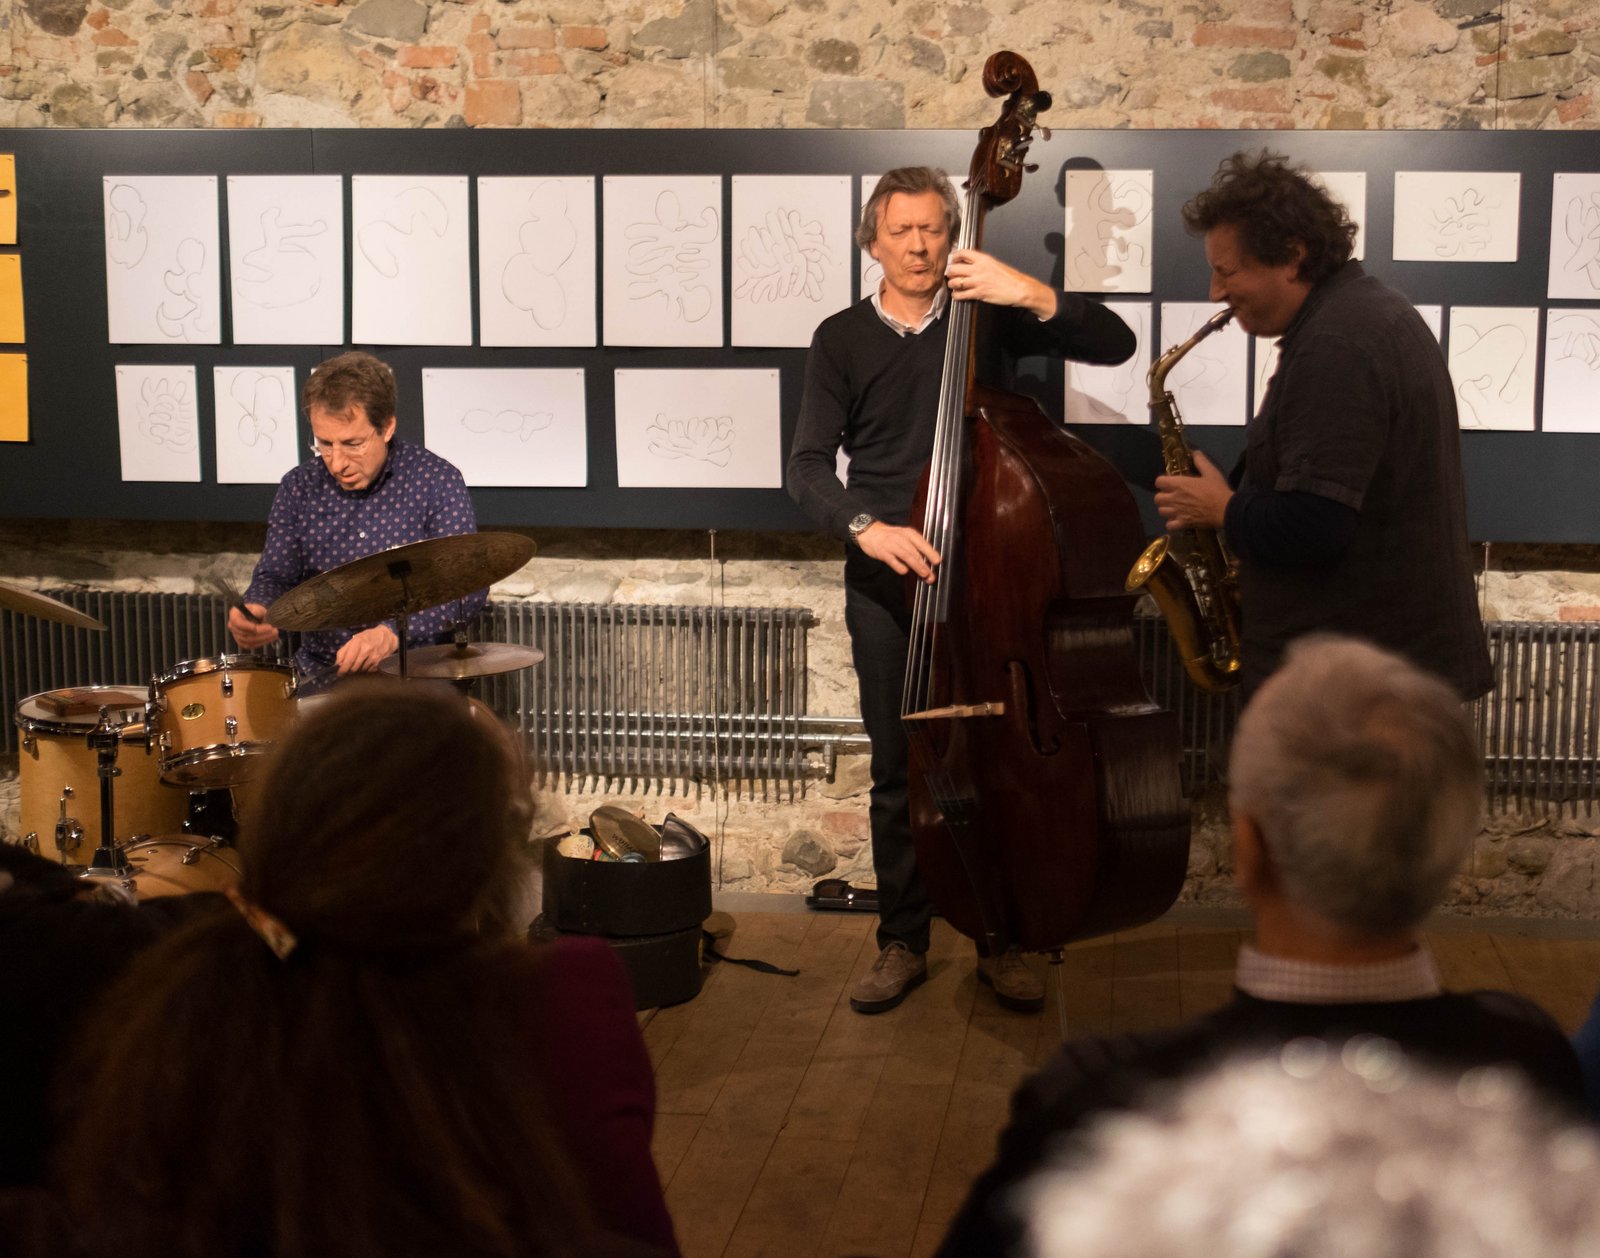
11,298
13,397
8,199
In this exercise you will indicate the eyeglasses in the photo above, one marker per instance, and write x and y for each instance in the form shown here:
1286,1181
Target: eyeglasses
350,449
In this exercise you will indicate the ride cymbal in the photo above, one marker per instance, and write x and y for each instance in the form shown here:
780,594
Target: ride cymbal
15,598
401,580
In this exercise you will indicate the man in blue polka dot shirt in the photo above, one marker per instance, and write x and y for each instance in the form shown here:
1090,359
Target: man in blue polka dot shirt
365,491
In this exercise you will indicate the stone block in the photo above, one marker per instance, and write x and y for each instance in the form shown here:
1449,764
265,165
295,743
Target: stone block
1252,100
403,21
591,37
1415,31
313,62
967,19
692,33
199,86
761,75
1230,35
854,103
1516,80
56,17
525,35
493,103
425,57
834,56
1544,44
1259,67
810,852
523,61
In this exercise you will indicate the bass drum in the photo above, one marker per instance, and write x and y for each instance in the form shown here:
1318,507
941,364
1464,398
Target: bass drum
57,764
175,864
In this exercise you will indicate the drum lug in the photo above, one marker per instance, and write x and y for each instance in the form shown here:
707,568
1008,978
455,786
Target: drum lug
231,724
227,686
30,843
69,834
27,743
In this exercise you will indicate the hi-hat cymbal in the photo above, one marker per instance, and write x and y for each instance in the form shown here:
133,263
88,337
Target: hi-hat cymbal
470,659
403,579
15,598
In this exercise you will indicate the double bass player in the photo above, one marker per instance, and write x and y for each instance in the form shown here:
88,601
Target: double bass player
872,388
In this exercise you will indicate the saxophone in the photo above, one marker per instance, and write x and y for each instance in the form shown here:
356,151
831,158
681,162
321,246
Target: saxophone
1190,574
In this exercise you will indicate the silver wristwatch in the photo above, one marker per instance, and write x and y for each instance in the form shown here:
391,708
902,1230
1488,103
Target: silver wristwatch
860,524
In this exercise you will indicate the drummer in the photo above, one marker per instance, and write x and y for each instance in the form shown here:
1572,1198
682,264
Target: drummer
365,491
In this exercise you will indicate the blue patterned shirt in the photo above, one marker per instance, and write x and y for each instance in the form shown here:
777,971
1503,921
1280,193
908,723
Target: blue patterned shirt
317,525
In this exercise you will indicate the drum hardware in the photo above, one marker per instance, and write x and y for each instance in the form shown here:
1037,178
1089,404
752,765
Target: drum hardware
105,739
69,834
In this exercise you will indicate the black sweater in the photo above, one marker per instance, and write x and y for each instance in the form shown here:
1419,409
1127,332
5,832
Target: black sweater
875,394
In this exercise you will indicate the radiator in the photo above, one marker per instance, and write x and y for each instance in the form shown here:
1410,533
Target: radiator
678,696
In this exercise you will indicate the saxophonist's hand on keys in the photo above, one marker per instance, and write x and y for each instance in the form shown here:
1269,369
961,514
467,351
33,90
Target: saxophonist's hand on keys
1198,501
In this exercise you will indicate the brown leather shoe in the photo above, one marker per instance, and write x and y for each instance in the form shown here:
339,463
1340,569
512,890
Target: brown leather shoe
1015,985
896,971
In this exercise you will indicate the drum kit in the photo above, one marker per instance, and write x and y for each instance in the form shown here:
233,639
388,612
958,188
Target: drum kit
204,725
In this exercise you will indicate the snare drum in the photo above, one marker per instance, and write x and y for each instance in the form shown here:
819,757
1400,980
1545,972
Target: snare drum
175,864
213,719
57,764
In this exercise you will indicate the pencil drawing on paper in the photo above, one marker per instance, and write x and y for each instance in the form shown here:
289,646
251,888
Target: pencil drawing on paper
126,237
1109,241
1461,225
1578,250
385,240
1492,370
547,239
262,403
521,424
1574,338
166,413
670,256
785,256
181,314
708,438
280,271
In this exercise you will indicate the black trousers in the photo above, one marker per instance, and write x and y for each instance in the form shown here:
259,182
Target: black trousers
878,619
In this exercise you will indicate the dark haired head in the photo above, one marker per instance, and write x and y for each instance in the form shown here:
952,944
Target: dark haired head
1274,206
350,379
417,797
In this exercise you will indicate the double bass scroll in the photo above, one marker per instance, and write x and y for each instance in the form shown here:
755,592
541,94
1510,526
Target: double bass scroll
1045,798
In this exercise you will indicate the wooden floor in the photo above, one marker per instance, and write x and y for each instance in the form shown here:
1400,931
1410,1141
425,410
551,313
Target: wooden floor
789,1125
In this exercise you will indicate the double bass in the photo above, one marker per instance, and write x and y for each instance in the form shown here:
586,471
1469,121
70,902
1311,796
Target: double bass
1046,804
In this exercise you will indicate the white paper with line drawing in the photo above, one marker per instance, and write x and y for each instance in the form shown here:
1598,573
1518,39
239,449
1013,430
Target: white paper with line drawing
163,282
257,425
791,256
1456,216
1109,236
1494,360
1433,316
663,260
1212,380
688,429
871,270
286,259
536,261
1571,370
1265,349
410,275
518,426
1349,189
1575,237
1113,395
158,422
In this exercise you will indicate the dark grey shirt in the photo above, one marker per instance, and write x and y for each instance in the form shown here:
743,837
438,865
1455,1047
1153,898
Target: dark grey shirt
1362,411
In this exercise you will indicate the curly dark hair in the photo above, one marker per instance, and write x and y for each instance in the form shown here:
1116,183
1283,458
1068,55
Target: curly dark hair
1275,205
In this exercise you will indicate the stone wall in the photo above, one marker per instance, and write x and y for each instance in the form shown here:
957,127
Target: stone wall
802,63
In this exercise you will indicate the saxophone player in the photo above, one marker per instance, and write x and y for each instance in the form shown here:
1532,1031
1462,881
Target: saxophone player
1347,511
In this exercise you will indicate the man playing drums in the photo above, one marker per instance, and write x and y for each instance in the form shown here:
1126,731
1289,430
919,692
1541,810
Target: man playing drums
365,492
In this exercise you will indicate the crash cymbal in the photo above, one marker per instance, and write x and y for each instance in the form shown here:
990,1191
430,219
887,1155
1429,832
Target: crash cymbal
622,836
16,599
409,579
470,659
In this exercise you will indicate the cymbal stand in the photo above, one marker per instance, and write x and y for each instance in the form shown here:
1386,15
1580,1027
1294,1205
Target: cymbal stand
400,569
106,739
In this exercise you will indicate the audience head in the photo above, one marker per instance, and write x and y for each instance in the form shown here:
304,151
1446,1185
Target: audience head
1326,1152
1361,775
912,180
416,797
